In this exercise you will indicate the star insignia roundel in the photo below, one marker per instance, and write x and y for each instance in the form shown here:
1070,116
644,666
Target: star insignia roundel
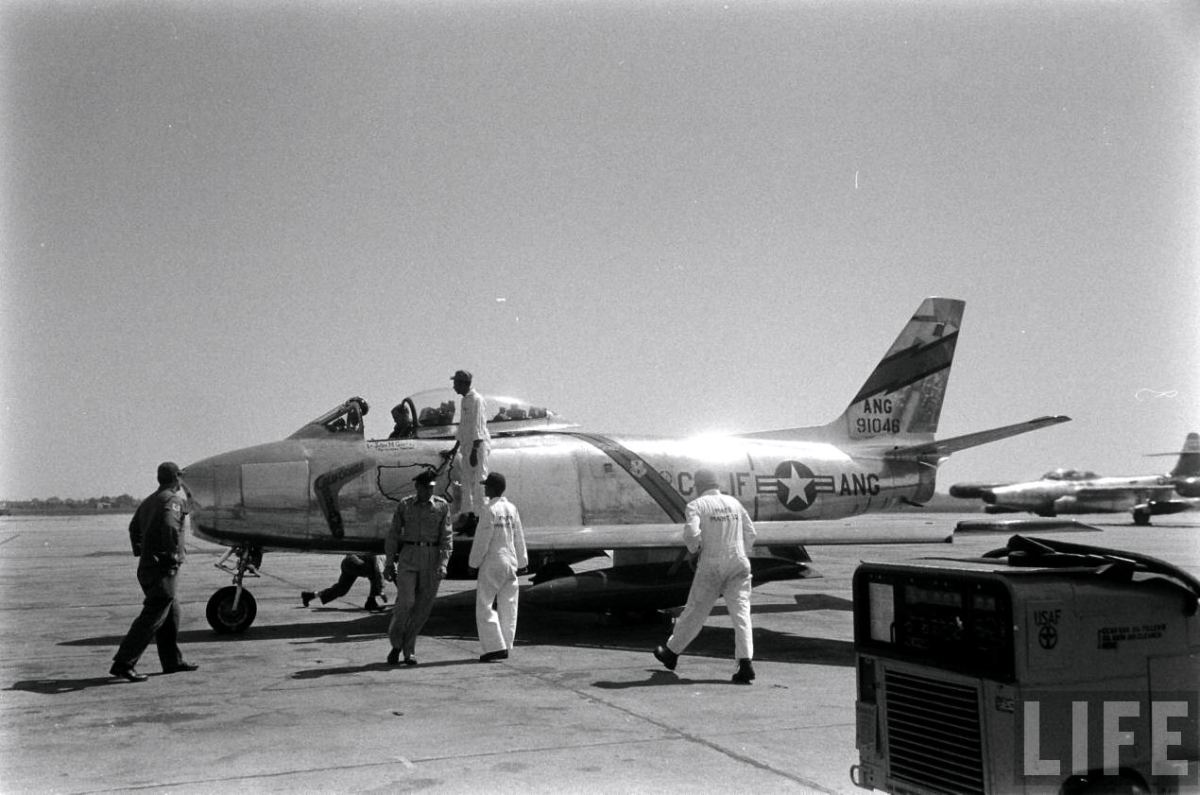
797,488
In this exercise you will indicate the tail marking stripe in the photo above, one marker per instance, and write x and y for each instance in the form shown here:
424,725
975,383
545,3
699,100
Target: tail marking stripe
908,367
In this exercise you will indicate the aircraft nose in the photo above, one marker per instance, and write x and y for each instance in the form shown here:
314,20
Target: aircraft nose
198,480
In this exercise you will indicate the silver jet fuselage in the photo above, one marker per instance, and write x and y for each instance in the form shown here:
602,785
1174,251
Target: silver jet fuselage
271,494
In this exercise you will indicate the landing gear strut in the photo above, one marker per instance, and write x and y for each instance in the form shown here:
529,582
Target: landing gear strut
232,609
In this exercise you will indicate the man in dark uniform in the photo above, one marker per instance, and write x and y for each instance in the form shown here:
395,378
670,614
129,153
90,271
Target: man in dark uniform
156,535
416,554
353,567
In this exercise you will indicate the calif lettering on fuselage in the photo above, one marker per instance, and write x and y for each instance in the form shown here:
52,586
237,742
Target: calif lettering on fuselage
743,484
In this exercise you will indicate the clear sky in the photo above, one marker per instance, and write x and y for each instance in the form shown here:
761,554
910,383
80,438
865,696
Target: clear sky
220,219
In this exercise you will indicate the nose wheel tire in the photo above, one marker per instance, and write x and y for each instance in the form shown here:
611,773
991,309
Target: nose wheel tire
224,618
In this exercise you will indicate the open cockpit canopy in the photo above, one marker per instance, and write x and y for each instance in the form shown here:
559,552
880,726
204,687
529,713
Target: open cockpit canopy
434,414
343,419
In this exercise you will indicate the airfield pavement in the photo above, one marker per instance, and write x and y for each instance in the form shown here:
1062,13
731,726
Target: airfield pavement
303,702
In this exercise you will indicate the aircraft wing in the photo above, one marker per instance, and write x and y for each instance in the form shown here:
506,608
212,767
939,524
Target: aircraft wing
794,533
944,447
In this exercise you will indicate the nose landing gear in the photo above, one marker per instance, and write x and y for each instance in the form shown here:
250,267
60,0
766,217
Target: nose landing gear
232,609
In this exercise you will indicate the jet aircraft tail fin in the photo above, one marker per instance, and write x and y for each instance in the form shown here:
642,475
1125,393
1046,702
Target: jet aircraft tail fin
903,396
1188,465
901,401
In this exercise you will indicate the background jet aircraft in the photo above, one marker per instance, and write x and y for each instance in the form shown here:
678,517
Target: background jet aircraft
326,487
1073,491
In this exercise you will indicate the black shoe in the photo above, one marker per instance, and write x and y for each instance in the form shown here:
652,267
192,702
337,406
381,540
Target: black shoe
745,673
492,656
410,660
666,657
373,606
394,657
180,668
121,672
307,596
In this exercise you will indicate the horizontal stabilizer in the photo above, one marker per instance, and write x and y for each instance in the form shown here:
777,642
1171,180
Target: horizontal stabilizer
1190,445
788,533
980,526
944,447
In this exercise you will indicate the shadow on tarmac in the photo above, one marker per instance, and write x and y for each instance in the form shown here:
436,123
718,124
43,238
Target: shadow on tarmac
661,679
453,619
319,673
58,687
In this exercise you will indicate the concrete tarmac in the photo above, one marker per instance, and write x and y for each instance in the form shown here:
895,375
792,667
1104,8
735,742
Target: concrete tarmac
304,702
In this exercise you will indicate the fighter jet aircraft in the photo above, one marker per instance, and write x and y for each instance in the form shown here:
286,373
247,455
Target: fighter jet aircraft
1070,491
582,494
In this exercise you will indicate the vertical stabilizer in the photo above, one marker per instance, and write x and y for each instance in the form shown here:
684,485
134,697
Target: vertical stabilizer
902,399
1189,458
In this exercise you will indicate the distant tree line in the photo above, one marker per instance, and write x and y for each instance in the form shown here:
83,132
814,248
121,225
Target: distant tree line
54,505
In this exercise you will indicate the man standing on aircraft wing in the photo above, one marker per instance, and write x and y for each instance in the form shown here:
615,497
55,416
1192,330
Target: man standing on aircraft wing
474,445
416,554
498,551
156,534
720,529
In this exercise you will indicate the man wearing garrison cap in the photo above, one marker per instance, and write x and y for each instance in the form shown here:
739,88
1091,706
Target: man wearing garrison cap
416,555
156,535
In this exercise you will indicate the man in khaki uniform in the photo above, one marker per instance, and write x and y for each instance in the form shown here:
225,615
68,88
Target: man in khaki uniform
416,554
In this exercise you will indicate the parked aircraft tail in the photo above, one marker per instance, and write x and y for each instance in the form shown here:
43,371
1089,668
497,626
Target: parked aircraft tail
903,396
1186,473
901,401
898,407
1188,465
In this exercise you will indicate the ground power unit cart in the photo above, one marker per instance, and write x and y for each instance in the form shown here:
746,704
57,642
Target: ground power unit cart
1043,667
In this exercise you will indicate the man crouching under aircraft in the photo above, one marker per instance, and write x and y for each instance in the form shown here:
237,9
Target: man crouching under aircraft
416,554
720,529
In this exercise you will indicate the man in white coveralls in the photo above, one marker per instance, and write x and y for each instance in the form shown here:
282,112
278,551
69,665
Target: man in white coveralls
474,445
719,528
498,551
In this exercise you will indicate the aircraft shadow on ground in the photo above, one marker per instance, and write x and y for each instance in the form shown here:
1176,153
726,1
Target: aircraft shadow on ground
342,629
453,618
585,631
